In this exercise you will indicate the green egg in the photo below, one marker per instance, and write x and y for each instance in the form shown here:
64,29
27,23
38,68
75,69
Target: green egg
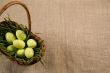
31,43
20,35
20,44
11,48
29,52
20,52
10,37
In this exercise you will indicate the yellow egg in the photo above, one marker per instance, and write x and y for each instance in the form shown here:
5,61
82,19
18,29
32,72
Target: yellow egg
11,48
10,37
20,44
20,52
31,43
29,52
20,35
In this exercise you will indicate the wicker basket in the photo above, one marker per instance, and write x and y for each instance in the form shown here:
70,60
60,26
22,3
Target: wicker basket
42,50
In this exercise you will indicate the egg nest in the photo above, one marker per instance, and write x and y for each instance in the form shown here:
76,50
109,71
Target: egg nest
11,26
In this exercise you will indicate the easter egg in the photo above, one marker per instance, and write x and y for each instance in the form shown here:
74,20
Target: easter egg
29,52
20,52
31,43
20,44
20,35
11,48
10,37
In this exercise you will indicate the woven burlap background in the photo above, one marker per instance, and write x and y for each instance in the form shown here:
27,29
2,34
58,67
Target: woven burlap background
77,34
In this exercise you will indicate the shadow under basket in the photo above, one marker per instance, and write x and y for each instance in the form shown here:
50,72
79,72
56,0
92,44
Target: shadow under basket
11,26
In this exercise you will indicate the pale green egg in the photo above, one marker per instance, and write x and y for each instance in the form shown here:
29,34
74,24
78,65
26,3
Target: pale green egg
31,43
11,48
20,44
20,52
29,52
20,35
10,37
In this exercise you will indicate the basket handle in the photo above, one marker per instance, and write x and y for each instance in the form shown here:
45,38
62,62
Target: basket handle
23,5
